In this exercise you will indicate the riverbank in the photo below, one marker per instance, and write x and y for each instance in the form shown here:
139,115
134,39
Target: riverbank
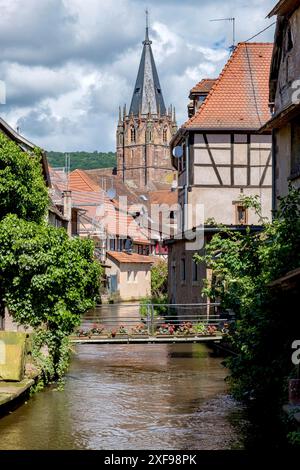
13,392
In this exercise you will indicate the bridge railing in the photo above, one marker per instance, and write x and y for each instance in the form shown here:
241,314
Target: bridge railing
156,317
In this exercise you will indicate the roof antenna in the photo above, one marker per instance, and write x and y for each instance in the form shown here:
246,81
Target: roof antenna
232,20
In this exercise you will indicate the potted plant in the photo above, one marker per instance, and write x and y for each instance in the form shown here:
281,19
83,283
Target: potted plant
185,329
139,331
113,333
122,331
200,329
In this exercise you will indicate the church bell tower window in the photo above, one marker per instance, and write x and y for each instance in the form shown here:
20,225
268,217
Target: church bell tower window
165,135
132,134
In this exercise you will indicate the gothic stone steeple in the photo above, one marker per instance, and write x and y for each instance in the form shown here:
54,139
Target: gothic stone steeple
144,134
147,95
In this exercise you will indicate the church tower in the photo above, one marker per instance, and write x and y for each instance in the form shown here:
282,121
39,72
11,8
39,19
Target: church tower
143,134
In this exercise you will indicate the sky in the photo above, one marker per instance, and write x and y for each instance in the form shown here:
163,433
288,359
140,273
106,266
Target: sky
68,64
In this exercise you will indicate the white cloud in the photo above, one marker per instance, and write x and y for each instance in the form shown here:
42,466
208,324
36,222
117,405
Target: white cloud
68,64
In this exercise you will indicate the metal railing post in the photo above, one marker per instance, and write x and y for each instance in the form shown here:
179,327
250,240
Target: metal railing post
148,320
152,320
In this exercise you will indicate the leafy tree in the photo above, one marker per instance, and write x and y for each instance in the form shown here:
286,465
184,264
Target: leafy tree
83,160
159,279
22,188
48,280
244,266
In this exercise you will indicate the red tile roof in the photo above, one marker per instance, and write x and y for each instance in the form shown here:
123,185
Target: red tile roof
240,96
163,197
98,208
204,86
123,257
80,181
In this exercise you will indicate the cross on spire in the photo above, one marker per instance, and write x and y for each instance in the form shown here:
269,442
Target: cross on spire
147,40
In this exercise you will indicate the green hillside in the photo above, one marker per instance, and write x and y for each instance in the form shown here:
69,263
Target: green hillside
83,160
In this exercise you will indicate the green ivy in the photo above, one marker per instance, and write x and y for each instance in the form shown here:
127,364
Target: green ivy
22,188
244,265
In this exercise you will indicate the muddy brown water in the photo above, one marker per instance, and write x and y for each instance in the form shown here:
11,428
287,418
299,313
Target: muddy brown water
151,396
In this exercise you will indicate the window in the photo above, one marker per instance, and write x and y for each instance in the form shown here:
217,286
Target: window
132,134
182,270
134,276
112,244
129,276
165,135
195,271
241,215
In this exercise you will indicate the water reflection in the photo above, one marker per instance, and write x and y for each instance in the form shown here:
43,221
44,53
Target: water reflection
130,397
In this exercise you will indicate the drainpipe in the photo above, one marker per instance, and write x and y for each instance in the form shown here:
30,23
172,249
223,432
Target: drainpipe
187,182
67,200
273,173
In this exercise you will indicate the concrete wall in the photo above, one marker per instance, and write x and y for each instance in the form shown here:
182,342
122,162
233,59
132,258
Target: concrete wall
283,160
188,290
133,287
221,204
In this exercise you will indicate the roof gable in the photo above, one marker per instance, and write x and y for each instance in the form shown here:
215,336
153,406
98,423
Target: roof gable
239,99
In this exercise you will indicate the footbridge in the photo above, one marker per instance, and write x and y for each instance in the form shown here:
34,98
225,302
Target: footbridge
153,323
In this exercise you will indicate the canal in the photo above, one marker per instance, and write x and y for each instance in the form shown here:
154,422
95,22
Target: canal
131,397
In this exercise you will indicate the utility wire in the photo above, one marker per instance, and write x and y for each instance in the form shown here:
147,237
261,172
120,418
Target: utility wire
261,32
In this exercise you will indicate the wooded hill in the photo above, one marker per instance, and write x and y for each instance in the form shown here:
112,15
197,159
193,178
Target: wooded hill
83,160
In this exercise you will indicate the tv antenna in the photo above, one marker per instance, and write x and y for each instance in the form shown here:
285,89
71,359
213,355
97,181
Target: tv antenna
232,20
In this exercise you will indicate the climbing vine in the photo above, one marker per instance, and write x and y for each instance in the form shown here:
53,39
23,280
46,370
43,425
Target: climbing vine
244,267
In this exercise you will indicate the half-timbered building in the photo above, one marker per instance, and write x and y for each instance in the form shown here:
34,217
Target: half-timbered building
224,158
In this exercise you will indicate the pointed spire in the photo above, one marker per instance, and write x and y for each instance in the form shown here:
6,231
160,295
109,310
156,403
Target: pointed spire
147,40
147,87
174,117
120,115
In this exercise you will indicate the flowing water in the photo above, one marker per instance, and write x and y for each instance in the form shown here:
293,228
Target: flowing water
131,397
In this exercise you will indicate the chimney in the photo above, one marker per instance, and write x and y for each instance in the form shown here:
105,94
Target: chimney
67,200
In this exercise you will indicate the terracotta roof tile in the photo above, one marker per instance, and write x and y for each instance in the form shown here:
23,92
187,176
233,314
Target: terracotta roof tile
123,257
80,181
204,86
163,197
239,98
